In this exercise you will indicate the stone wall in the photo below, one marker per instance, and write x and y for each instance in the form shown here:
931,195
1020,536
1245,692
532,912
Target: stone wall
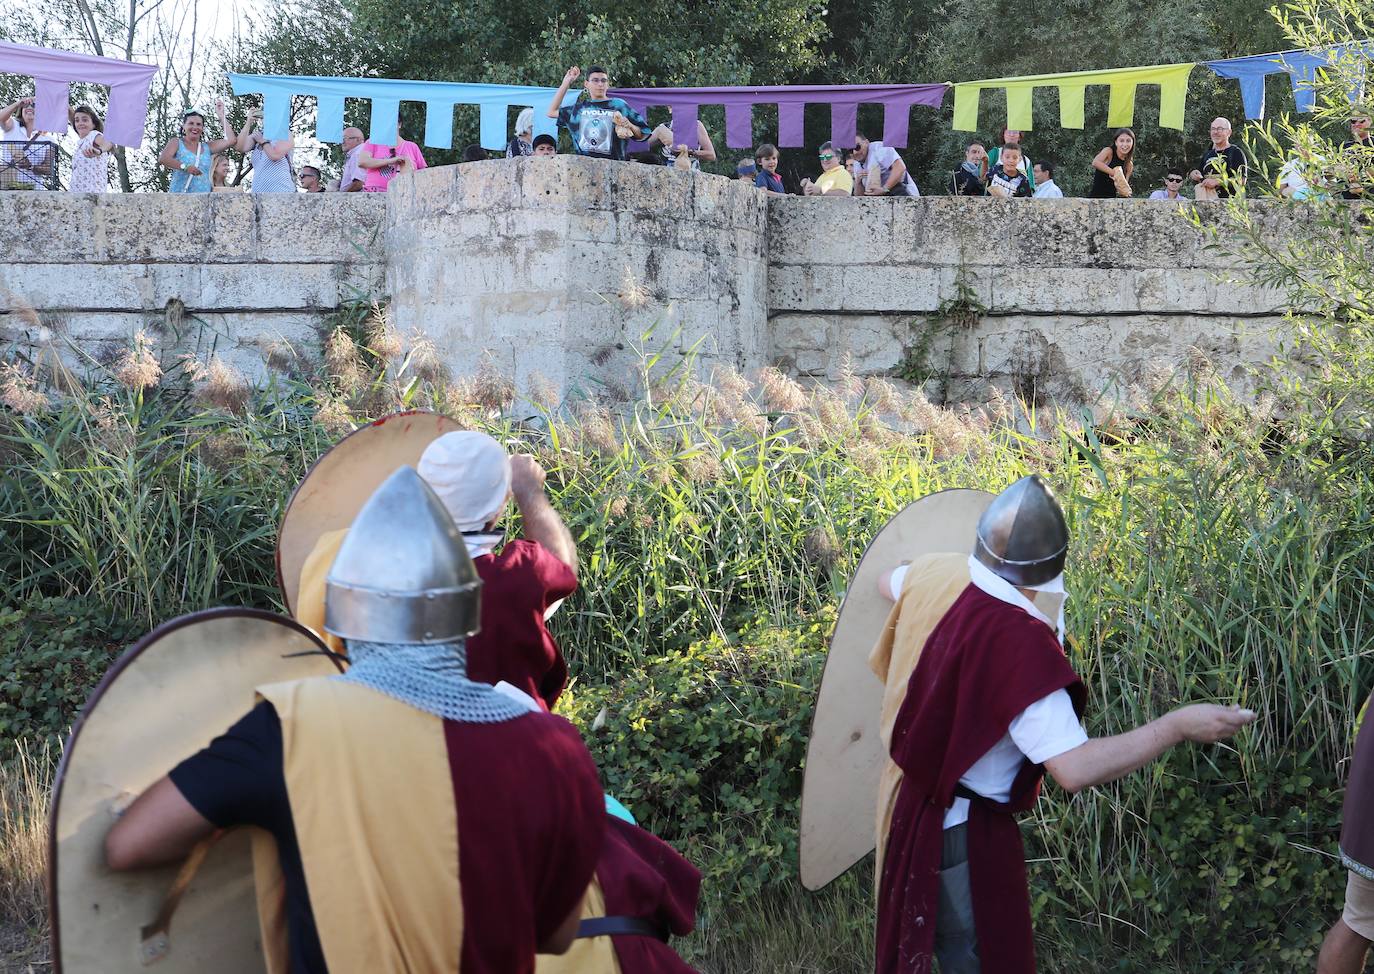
238,275
1052,299
572,267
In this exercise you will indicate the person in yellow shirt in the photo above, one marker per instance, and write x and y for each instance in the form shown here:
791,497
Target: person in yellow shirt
834,179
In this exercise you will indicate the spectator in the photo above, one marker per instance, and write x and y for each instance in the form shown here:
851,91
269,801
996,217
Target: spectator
310,179
1045,186
1006,178
189,156
971,177
834,180
1222,169
746,170
521,145
888,170
662,137
219,175
598,126
270,159
32,162
1013,137
475,153
766,162
1358,158
90,164
1112,167
353,177
1173,186
384,162
545,145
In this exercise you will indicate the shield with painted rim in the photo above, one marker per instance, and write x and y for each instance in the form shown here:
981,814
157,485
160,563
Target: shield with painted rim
340,482
165,698
845,758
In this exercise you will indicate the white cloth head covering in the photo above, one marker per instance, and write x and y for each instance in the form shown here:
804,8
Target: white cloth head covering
470,472
524,122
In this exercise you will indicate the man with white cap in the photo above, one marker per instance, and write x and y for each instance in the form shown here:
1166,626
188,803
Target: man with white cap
980,702
475,478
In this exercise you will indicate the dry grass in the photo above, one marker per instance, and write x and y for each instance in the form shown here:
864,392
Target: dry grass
24,788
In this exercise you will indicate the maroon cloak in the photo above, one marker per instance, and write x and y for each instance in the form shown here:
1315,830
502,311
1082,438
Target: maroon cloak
643,877
984,663
1357,817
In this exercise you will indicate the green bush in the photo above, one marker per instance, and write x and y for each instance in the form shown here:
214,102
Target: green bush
706,745
53,652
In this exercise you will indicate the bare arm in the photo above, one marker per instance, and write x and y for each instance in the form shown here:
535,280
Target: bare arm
7,113
542,523
897,174
1101,159
561,939
230,136
368,161
707,151
279,149
1104,759
167,158
161,827
354,186
568,78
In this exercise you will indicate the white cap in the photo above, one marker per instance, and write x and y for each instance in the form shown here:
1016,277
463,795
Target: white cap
524,122
470,472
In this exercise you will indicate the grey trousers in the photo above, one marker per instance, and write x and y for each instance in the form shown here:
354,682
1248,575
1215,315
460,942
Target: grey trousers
956,940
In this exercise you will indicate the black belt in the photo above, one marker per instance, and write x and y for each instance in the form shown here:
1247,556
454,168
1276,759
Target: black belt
620,927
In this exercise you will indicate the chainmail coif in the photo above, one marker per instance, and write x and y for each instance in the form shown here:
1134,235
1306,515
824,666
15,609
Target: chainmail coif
432,678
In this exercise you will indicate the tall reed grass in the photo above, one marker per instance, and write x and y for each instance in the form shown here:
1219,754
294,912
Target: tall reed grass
1218,554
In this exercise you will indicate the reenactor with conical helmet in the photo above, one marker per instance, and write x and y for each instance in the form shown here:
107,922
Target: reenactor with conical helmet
414,819
980,702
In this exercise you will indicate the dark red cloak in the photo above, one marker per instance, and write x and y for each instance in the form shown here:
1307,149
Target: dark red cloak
984,663
1357,818
644,877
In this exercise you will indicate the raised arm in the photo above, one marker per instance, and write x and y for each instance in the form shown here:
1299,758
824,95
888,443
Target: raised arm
542,523
244,143
7,113
569,77
279,149
1105,759
230,136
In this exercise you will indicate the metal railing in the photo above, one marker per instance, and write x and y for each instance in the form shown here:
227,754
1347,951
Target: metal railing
30,165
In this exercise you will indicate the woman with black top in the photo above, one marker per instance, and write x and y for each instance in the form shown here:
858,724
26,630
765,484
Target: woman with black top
1112,167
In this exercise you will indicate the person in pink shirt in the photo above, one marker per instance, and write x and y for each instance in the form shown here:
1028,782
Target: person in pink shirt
384,163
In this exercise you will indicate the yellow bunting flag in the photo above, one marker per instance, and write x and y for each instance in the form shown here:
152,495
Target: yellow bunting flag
1171,78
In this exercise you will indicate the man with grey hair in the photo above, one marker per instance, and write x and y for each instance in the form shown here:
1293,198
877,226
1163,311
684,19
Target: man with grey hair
1221,173
353,177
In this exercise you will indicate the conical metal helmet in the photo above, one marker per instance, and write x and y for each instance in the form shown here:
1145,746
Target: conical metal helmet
403,574
1022,535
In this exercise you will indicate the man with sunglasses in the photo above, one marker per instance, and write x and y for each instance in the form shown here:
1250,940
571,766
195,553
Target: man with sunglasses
1173,182
894,178
834,179
595,122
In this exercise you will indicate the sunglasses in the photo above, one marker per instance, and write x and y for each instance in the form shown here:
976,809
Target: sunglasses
1173,179
827,155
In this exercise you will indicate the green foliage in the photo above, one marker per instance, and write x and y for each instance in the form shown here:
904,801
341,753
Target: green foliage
706,744
52,654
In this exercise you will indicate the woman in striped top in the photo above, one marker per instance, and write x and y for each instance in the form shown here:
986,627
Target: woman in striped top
271,159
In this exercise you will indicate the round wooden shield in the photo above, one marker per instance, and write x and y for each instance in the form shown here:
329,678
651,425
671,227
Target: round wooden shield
336,487
167,697
844,758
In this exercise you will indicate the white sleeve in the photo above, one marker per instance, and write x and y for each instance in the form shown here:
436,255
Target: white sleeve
1047,728
898,577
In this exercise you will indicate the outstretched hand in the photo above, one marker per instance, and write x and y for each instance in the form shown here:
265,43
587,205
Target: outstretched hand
1206,723
573,73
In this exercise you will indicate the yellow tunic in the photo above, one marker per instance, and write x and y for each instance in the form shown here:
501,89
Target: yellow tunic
383,903
932,584
587,955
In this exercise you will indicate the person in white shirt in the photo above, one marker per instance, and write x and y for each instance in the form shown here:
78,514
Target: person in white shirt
1045,186
891,176
1173,182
